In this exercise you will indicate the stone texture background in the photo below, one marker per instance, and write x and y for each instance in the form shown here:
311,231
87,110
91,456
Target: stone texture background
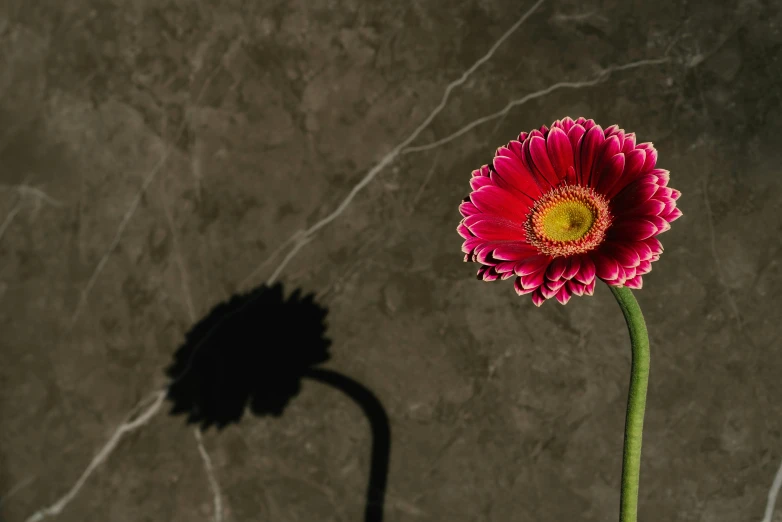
154,155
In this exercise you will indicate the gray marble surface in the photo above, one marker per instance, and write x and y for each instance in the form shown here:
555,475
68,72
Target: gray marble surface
158,157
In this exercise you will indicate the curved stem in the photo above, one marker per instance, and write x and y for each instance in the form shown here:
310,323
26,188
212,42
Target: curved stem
636,403
381,436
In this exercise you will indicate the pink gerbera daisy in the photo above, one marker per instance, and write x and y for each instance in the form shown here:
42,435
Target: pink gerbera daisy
561,206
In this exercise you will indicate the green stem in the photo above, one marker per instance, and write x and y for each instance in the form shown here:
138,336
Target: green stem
636,403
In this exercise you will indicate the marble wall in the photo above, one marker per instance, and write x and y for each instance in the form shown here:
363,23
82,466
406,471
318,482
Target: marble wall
158,158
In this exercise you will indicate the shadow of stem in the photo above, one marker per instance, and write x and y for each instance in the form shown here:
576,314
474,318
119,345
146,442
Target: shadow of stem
381,436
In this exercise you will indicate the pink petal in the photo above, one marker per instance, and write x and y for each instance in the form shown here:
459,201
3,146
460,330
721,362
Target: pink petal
587,154
481,181
526,159
675,194
610,173
560,152
609,149
464,231
644,268
642,249
469,246
531,265
645,177
634,162
566,124
520,289
661,224
563,296
574,265
674,215
576,288
575,135
467,208
670,204
651,159
514,251
483,254
616,131
532,280
586,273
570,178
588,124
495,230
634,229
632,196
605,267
620,275
555,285
494,200
511,150
505,267
636,282
556,268
590,288
512,174
547,292
629,143
487,274
538,156
654,245
483,171
652,207
625,255
537,298
663,175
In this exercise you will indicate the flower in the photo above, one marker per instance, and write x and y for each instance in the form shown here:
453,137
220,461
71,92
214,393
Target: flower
561,206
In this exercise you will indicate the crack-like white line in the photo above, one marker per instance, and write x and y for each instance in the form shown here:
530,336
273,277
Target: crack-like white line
24,188
600,77
102,455
304,236
10,217
300,242
135,203
39,194
218,501
423,185
183,274
295,238
772,495
118,234
16,489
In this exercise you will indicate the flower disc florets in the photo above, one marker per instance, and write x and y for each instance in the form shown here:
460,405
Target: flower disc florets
568,220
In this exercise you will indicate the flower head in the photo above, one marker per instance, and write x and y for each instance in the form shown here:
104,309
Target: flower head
560,207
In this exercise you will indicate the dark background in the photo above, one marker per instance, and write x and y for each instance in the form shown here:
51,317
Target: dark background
156,156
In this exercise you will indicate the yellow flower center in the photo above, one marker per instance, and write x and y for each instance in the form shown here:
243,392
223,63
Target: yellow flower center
568,220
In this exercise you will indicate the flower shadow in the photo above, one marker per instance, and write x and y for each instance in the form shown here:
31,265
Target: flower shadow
252,352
